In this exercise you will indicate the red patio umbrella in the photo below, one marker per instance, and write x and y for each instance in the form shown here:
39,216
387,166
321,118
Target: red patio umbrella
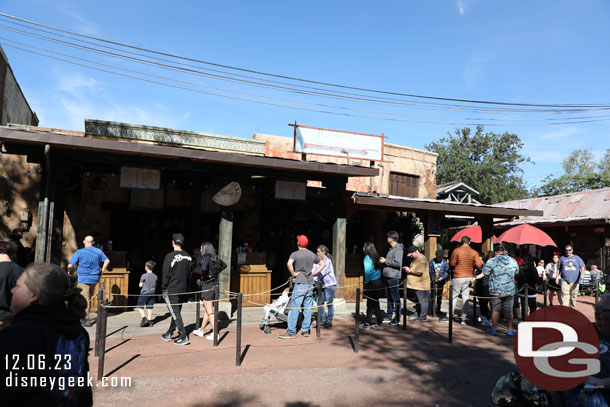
526,234
473,232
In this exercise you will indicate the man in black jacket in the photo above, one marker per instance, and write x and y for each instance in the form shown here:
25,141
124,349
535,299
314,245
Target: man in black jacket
177,268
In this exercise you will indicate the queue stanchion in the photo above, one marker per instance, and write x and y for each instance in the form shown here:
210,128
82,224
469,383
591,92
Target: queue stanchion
357,320
404,305
597,293
102,346
100,296
238,340
319,314
474,303
433,292
545,290
198,310
215,329
526,300
450,337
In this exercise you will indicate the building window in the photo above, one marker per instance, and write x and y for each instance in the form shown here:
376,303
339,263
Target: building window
403,185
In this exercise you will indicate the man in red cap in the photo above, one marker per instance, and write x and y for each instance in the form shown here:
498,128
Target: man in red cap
300,266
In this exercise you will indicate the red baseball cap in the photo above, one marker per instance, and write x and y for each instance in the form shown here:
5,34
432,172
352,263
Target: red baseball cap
302,240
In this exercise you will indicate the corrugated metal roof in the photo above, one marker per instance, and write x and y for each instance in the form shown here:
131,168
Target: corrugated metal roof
584,206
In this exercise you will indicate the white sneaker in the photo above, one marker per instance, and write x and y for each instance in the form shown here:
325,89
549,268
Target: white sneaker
210,337
198,332
485,322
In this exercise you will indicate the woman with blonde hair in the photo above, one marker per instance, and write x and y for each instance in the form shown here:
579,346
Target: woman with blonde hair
48,308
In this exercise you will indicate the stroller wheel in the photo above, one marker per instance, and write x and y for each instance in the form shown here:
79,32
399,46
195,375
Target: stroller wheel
267,329
262,326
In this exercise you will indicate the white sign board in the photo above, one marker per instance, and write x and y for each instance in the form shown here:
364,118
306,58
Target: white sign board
295,191
140,178
338,143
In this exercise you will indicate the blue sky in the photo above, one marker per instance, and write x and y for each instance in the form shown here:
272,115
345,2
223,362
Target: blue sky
523,52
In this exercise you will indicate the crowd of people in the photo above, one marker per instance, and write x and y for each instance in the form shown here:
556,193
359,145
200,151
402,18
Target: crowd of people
49,306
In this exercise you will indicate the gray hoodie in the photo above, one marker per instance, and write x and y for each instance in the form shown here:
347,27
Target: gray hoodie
393,262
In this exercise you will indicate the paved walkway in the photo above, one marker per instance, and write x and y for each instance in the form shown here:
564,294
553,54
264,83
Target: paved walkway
416,367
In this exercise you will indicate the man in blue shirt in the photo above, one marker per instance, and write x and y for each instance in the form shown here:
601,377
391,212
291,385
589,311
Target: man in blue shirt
571,270
439,272
88,260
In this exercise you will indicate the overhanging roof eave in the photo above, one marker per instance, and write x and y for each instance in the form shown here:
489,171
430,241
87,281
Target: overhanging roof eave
406,204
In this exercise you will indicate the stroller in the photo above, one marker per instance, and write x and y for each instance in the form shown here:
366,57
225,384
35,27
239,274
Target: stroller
277,310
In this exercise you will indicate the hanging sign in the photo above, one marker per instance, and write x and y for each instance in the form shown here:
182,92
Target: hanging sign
311,140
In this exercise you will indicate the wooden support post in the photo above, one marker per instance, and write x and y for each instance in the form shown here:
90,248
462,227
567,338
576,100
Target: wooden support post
339,251
225,247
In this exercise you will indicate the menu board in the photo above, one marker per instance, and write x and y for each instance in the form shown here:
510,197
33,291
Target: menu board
140,178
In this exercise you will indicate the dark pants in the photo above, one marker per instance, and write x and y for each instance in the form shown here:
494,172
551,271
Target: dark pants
393,296
373,290
483,291
177,323
437,291
421,299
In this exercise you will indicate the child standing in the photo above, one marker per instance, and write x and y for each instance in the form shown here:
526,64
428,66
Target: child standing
148,285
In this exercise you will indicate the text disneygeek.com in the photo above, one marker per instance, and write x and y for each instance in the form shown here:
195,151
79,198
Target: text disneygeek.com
61,383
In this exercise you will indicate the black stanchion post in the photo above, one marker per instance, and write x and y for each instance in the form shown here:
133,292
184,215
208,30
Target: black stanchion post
357,319
433,292
596,293
320,306
474,303
450,338
238,342
216,298
198,310
100,297
525,302
102,346
290,283
545,290
404,304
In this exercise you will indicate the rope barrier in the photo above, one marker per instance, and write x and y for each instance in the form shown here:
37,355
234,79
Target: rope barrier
337,302
178,303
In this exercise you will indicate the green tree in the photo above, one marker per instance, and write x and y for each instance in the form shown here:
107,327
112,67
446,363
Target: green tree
581,172
486,161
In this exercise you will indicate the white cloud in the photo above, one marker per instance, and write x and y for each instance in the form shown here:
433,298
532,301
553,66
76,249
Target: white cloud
77,97
461,6
473,73
561,134
81,24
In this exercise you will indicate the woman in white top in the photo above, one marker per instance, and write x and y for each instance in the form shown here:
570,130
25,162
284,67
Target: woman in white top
551,272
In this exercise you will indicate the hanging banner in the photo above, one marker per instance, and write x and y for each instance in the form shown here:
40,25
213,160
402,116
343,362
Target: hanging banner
311,140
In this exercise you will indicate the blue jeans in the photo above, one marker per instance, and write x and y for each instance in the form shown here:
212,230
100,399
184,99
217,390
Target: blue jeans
302,296
393,297
328,295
